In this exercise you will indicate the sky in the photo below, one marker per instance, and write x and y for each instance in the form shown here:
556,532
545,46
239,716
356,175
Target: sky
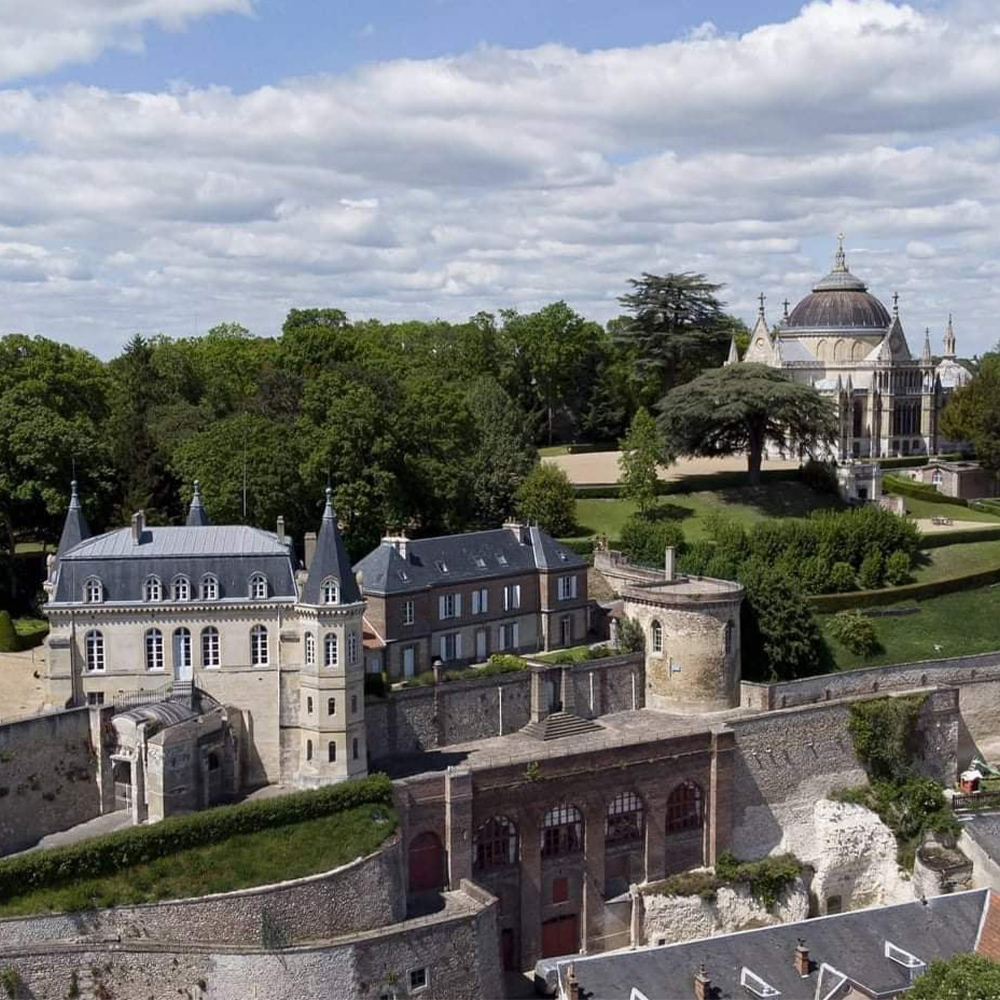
168,165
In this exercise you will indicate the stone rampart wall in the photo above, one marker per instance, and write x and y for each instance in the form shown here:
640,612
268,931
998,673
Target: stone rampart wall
457,947
364,894
48,776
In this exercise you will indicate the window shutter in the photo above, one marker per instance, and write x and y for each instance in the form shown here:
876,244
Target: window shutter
458,645
458,605
517,595
514,641
506,598
572,586
443,647
475,602
501,636
485,600
441,608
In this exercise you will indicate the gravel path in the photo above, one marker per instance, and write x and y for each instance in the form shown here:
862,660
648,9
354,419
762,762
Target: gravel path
602,466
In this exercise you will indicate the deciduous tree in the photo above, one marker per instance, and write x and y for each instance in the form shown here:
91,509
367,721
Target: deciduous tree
973,413
642,453
546,498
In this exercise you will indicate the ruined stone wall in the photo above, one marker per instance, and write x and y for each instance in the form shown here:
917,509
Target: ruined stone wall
48,776
457,948
606,686
364,894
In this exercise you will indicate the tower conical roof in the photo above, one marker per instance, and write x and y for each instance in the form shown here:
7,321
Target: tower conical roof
197,515
75,528
330,560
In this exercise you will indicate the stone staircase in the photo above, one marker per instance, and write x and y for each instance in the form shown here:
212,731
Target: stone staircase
559,725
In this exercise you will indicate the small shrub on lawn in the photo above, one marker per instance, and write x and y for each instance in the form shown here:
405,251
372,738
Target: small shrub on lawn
841,578
856,632
897,568
872,571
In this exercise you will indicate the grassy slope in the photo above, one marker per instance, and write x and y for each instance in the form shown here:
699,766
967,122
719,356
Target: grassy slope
961,624
237,863
956,560
746,504
927,508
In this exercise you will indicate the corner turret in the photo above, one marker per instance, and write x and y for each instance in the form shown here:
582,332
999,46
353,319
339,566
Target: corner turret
75,528
330,562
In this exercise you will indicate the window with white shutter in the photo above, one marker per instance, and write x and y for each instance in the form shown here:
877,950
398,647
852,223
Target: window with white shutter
501,637
573,586
443,647
517,595
458,605
441,614
475,602
458,645
514,639
484,600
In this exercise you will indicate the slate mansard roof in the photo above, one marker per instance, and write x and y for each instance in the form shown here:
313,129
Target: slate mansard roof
466,558
330,561
231,553
853,943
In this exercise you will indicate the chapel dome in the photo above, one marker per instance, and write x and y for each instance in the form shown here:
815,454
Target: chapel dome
840,301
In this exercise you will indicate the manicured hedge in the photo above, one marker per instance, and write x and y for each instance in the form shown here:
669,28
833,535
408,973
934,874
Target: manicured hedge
919,491
692,484
828,603
940,539
114,852
583,547
8,637
916,461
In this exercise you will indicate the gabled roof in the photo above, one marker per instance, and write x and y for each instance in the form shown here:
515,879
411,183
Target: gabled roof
853,943
330,560
75,527
452,559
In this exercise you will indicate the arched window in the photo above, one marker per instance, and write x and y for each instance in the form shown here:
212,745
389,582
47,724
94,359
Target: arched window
495,844
209,588
154,649
258,646
310,644
153,589
562,831
624,820
211,651
258,587
331,706
94,643
330,591
182,589
182,648
330,649
684,808
93,591
656,636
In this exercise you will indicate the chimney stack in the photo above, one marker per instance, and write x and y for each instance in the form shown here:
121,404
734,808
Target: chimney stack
521,531
138,526
310,548
702,984
572,986
398,542
802,964
281,530
669,563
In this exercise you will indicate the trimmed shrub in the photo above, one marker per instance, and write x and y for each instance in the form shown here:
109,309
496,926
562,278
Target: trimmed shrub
8,635
841,578
942,539
856,632
644,539
116,851
872,571
897,569
919,491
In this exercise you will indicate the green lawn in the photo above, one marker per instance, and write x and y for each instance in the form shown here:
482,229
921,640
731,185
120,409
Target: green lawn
961,624
576,654
928,508
239,862
956,560
747,504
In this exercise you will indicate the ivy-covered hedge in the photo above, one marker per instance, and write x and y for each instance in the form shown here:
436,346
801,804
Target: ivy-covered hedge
919,491
116,851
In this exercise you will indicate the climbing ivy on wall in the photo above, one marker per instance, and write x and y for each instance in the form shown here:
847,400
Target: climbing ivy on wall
884,734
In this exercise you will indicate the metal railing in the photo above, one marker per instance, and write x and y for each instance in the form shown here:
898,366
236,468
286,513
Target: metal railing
133,699
975,801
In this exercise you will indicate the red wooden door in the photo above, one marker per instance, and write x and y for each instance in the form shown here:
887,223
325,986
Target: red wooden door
426,863
560,937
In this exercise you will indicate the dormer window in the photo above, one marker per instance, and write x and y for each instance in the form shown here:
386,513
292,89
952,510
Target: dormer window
441,565
93,591
182,589
152,589
209,588
258,587
502,559
480,562
330,591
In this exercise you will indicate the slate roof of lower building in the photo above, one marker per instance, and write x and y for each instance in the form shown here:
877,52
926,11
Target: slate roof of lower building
464,558
853,943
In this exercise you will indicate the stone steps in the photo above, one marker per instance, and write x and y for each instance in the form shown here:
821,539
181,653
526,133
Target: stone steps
559,725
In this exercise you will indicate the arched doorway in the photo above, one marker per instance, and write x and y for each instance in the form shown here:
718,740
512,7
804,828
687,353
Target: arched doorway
685,828
426,862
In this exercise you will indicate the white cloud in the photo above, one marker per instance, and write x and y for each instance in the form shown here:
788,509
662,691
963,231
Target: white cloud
498,177
38,36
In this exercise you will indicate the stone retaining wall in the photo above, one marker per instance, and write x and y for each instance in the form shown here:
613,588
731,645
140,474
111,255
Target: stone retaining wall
367,893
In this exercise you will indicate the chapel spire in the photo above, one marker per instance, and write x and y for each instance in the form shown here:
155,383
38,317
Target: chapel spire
949,339
926,357
75,527
197,515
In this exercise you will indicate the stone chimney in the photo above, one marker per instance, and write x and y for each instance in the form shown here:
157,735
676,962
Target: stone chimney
572,986
521,531
702,984
310,548
138,526
281,530
398,542
802,965
669,563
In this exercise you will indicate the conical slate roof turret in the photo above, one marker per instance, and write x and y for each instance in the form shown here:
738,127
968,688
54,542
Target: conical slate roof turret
330,560
197,515
75,529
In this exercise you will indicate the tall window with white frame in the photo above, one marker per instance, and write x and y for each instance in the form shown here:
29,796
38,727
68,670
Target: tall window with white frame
310,644
258,587
258,646
153,589
656,636
211,651
182,589
330,653
182,649
95,651
209,588
567,588
331,592
154,649
93,591
407,612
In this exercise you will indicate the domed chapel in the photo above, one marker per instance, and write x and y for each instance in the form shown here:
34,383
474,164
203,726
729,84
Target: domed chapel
841,339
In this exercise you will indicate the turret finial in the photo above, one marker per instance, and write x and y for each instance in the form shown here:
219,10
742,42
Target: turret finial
895,304
840,261
786,304
328,509
762,298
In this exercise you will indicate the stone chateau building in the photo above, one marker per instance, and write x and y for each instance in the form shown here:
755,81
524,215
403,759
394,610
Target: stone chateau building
841,339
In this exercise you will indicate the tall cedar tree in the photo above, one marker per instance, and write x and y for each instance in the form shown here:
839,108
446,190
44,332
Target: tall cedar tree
676,325
739,409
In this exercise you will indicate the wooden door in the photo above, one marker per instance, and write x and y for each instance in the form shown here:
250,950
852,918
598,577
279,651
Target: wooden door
426,857
560,936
